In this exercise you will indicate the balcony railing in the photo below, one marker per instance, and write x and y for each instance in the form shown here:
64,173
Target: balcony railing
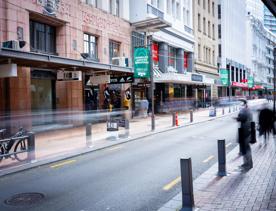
188,29
155,11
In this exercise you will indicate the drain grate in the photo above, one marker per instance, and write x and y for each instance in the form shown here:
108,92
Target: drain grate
24,199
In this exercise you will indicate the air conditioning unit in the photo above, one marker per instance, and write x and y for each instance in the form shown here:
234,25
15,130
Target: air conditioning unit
120,61
13,44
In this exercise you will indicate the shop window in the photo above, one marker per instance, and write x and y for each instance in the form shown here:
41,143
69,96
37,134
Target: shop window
90,46
114,50
172,57
114,7
42,37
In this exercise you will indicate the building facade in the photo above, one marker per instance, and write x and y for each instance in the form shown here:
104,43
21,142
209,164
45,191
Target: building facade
269,20
232,44
176,83
71,50
206,31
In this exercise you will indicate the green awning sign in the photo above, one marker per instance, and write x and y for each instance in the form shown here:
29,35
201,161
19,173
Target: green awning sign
224,77
250,82
141,63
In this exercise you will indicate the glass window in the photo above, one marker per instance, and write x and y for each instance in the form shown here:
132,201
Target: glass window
114,50
209,29
219,31
42,37
199,52
198,22
172,57
213,27
90,46
213,9
204,25
91,2
114,6
209,6
219,11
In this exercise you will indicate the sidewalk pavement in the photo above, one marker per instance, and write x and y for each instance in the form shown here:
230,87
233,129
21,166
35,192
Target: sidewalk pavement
251,190
61,144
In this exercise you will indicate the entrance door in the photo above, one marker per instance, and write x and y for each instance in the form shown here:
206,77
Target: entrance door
42,94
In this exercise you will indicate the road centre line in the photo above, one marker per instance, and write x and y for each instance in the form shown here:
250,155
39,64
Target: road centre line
63,163
115,148
172,184
208,159
228,144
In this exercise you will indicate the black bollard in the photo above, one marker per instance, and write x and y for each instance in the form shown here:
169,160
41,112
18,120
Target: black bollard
222,111
173,119
31,146
127,128
191,116
89,135
221,158
187,184
253,133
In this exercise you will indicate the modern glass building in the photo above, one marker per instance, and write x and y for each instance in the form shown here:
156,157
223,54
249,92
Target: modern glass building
269,20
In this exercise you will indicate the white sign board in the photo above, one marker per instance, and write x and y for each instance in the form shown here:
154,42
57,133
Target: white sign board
69,75
100,79
8,70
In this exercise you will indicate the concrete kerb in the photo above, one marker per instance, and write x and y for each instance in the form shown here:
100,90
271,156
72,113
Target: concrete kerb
60,158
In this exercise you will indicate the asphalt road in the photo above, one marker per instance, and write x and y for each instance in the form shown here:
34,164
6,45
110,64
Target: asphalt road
140,175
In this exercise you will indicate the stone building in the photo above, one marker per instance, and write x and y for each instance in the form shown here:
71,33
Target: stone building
54,52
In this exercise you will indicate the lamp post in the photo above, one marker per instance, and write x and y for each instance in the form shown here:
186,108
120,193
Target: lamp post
274,81
151,84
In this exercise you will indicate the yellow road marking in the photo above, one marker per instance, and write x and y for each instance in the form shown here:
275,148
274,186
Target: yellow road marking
63,163
229,144
208,159
115,148
172,184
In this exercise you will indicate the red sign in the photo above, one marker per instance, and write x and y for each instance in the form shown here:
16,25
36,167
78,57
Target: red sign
185,60
155,56
244,80
241,85
257,87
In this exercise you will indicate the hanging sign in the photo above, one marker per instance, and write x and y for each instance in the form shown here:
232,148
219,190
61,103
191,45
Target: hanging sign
250,82
155,52
141,63
224,77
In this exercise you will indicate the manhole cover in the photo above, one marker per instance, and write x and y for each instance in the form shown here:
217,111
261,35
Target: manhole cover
24,199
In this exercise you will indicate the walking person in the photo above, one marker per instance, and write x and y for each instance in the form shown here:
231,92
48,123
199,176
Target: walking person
266,123
245,119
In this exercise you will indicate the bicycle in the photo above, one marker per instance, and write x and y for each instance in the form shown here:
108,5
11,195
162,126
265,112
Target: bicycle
17,142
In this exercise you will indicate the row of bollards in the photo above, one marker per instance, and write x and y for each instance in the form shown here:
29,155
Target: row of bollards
187,178
175,121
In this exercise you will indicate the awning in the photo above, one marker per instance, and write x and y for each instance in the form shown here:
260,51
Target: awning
181,78
46,61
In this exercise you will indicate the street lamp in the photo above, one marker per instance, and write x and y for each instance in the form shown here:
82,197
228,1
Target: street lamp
150,26
274,80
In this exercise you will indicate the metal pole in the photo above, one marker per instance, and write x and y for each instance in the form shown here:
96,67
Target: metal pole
221,158
151,85
274,81
88,134
191,116
187,184
31,146
173,119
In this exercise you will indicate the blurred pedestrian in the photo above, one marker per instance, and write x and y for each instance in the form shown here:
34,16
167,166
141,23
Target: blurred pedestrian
266,123
245,119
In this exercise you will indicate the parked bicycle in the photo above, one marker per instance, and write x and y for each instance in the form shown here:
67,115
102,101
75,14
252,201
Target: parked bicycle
14,147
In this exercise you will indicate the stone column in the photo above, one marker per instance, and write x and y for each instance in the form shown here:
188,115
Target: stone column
190,62
180,60
163,57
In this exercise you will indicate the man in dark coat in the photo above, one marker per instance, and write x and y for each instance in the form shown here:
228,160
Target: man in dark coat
266,123
245,119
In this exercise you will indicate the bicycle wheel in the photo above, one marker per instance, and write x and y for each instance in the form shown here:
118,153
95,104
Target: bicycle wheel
2,152
21,150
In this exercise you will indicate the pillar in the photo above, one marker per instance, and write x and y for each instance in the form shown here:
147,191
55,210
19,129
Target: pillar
180,60
163,57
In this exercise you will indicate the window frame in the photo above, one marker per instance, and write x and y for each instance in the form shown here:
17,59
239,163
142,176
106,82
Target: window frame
113,43
89,42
